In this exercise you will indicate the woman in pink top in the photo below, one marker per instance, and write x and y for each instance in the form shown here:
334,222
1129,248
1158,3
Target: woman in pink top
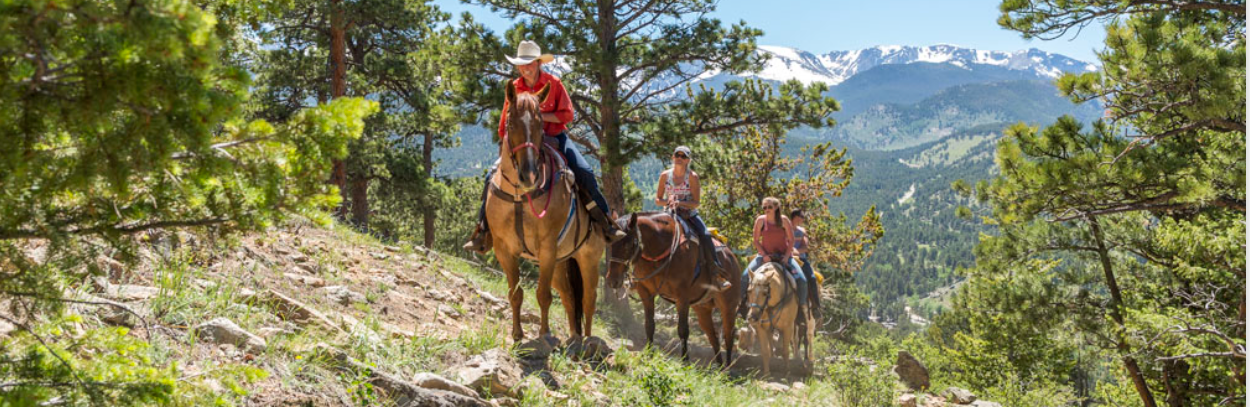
773,238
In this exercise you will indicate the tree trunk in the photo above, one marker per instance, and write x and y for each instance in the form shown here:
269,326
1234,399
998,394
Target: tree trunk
610,146
359,186
427,158
1139,382
338,88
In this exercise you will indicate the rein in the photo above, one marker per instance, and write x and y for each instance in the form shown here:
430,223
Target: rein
667,256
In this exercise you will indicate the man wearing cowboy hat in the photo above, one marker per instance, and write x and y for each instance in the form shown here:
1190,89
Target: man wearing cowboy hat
557,112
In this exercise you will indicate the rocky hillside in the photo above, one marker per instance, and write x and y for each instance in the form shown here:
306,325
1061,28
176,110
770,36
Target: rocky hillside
312,316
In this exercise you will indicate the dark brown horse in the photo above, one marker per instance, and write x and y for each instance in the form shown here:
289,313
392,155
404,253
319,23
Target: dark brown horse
533,213
663,261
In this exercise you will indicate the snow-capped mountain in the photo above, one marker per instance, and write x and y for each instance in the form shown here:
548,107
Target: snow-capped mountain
835,67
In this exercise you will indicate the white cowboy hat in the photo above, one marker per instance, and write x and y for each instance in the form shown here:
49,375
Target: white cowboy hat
527,52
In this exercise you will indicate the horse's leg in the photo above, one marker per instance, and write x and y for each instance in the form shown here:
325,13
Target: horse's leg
787,339
565,288
683,327
515,295
704,313
763,340
588,264
727,321
546,270
648,310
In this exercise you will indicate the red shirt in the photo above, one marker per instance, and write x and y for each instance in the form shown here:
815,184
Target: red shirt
557,102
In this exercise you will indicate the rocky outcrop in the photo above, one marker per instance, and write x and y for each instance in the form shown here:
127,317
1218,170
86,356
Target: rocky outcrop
403,392
911,371
493,372
958,396
222,330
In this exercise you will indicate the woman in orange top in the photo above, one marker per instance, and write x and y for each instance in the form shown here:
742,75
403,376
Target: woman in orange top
773,238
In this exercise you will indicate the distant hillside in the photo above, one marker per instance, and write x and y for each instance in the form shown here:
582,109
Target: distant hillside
894,126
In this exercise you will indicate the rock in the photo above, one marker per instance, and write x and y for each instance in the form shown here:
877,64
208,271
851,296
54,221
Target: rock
128,292
392,249
907,400
204,284
290,309
449,311
438,295
958,396
911,371
538,349
529,317
6,328
433,381
493,372
225,331
491,298
505,402
402,392
380,256
343,295
798,386
774,387
299,257
270,331
114,267
983,403
305,279
591,348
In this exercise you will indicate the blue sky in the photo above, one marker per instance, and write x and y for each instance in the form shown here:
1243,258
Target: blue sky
834,25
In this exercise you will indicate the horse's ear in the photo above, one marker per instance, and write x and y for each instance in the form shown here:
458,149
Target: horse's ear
509,91
542,93
633,221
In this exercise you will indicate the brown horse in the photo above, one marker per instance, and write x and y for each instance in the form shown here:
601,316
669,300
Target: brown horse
773,305
664,264
534,213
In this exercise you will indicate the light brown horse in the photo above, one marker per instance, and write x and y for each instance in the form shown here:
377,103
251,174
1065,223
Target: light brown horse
664,264
534,213
773,305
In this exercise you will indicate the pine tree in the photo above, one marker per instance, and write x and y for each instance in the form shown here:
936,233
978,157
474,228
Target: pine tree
1127,234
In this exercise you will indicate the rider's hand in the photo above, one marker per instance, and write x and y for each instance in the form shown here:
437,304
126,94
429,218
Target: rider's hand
768,259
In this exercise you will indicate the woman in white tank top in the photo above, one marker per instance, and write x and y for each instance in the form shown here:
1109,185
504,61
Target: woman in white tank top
678,191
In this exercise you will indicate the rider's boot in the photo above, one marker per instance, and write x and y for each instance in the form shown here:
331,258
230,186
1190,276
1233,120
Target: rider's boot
610,231
802,316
814,300
708,258
480,242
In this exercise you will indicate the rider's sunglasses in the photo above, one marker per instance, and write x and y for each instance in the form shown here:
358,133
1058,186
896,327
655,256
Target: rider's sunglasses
769,207
681,156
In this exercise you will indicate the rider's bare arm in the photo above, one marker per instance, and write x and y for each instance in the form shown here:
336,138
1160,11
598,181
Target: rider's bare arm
759,246
659,191
789,234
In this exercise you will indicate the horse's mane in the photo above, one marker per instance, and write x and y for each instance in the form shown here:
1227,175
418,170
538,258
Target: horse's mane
526,102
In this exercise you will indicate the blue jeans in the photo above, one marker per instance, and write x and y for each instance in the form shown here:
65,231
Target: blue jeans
582,174
799,280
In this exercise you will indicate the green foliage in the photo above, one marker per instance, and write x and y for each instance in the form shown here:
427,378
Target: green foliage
98,366
860,385
1118,260
741,171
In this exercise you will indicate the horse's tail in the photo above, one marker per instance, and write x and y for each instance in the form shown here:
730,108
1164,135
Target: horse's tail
575,283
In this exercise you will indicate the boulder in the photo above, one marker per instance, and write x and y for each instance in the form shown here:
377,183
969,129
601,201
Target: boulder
305,279
289,309
493,372
907,400
225,331
590,348
775,387
911,371
402,392
128,292
343,295
433,381
538,349
958,396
